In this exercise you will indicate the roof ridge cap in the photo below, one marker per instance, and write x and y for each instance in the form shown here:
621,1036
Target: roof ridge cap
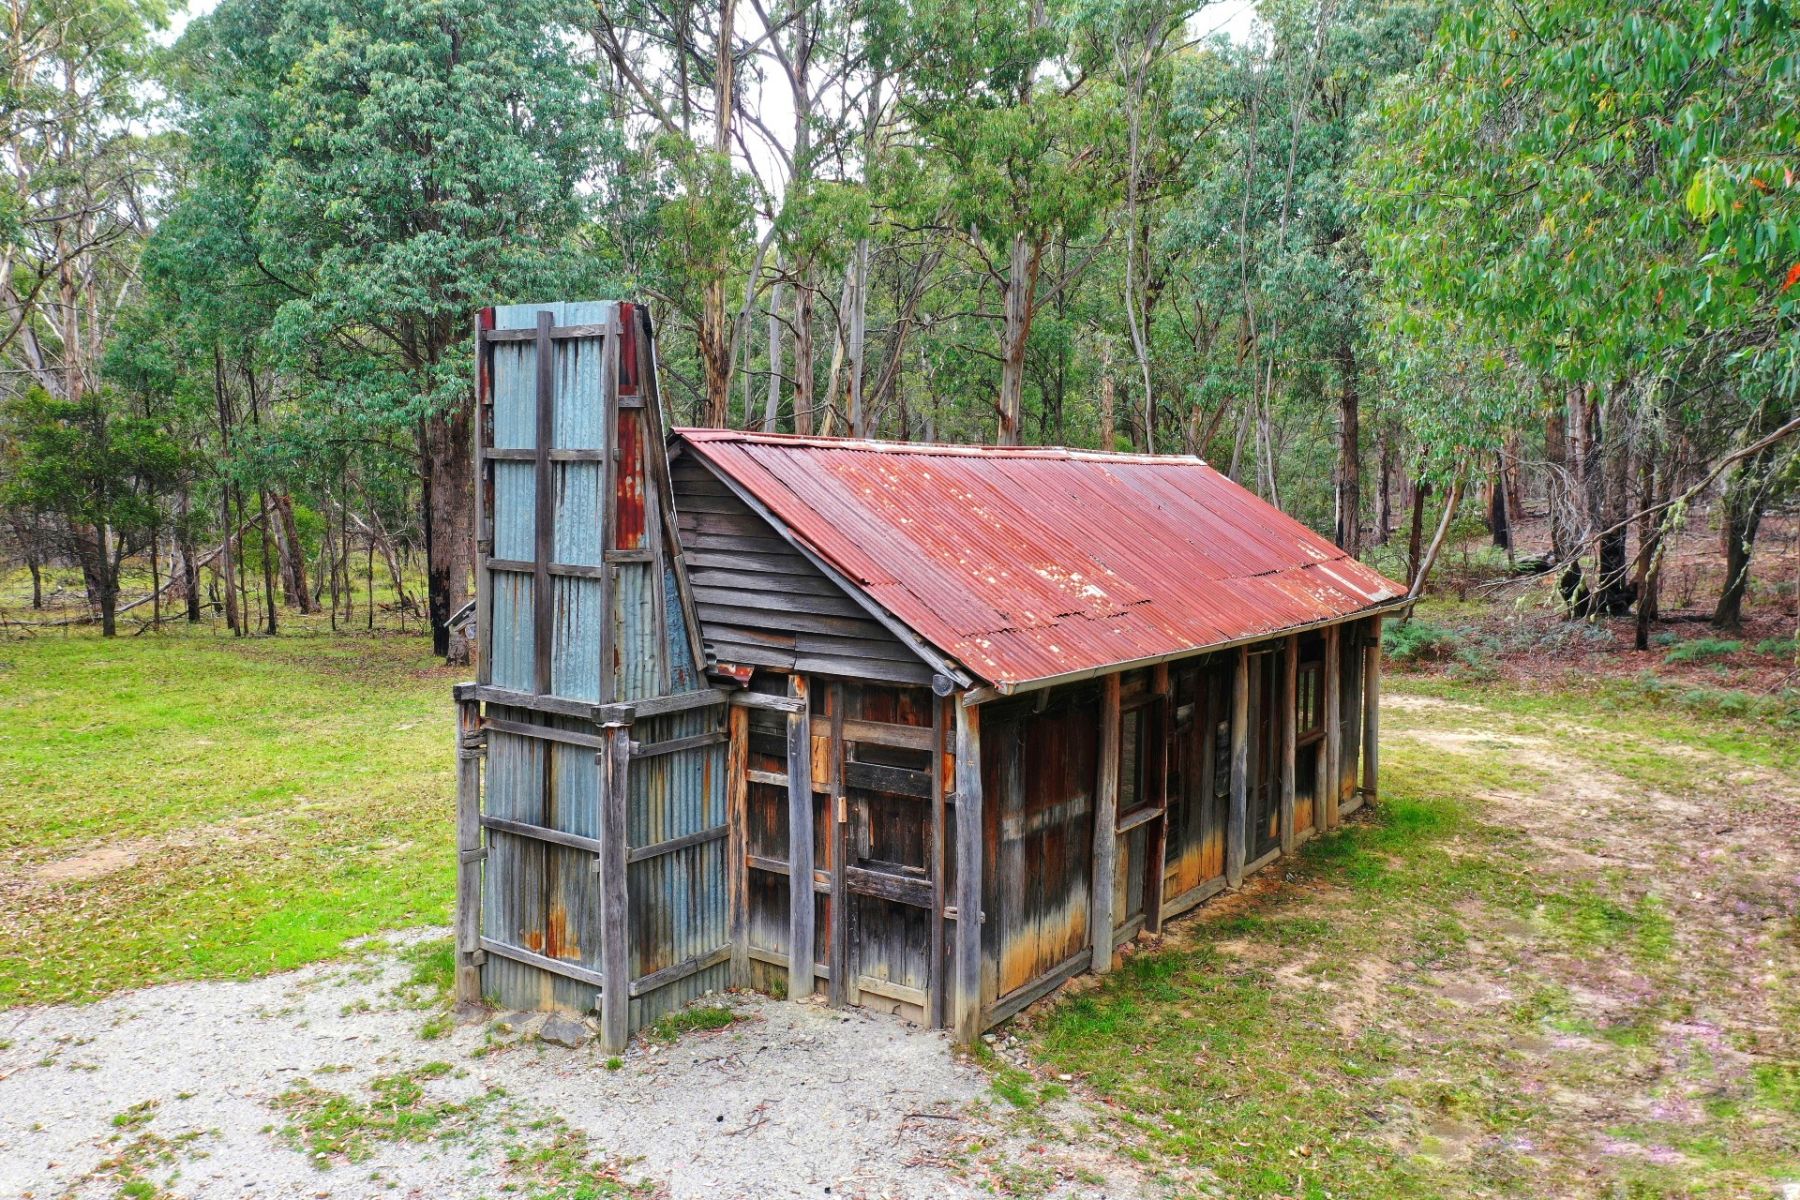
946,449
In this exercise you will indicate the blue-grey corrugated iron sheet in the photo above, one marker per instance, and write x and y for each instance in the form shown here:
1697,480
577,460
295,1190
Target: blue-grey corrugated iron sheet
543,896
1026,564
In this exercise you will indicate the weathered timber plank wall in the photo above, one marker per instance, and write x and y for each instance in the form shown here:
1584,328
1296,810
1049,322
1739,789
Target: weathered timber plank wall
1039,779
762,604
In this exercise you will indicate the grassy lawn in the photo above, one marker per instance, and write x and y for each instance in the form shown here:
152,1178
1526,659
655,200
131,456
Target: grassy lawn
1562,958
194,806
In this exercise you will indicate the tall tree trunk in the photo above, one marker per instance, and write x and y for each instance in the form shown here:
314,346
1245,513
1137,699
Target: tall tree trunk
37,580
715,322
1415,541
449,511
1349,459
268,561
772,404
1108,414
1499,517
1745,494
1423,572
227,573
293,564
328,565
855,340
109,603
804,401
1384,493
1612,466
190,571
156,576
1562,492
1020,306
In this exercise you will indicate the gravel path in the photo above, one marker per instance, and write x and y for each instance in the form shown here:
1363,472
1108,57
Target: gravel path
791,1100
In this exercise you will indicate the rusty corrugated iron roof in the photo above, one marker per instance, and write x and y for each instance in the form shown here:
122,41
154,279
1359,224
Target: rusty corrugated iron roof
1026,564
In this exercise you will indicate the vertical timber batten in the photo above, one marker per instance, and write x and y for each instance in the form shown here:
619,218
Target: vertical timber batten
1290,686
800,843
470,749
1157,833
1236,820
1334,730
1106,838
967,1022
543,597
839,988
1371,764
737,817
484,496
615,909
939,754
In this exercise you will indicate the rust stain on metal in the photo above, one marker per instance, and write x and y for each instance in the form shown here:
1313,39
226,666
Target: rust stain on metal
631,481
556,939
1026,564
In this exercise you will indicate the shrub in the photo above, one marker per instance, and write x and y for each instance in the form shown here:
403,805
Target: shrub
1419,641
1779,647
1702,648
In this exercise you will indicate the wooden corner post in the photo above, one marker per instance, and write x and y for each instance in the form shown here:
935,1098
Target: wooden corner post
967,954
615,908
1334,724
1156,833
800,843
737,818
471,748
1371,763
1237,818
1106,837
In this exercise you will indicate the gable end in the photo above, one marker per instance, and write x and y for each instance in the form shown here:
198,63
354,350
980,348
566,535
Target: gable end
762,603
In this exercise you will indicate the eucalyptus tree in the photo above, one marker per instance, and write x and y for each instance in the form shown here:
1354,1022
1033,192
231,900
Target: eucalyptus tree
408,163
1271,244
1607,190
77,168
1029,154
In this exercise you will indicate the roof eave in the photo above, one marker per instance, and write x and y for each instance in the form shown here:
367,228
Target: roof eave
1012,687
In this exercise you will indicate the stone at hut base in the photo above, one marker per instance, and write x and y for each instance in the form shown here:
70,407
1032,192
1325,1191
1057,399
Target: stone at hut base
565,1031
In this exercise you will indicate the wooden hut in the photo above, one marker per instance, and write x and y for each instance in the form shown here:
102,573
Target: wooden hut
917,727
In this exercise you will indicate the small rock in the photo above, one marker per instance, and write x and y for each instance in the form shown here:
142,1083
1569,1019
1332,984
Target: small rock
565,1031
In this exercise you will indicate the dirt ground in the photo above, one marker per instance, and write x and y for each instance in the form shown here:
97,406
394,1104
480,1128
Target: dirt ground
284,1087
1519,633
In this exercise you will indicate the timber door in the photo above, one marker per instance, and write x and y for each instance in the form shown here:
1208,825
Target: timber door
1038,777
1262,824
883,750
1199,784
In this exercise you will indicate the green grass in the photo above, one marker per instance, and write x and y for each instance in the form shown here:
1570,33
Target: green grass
263,801
564,1166
671,1027
1636,714
331,1127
